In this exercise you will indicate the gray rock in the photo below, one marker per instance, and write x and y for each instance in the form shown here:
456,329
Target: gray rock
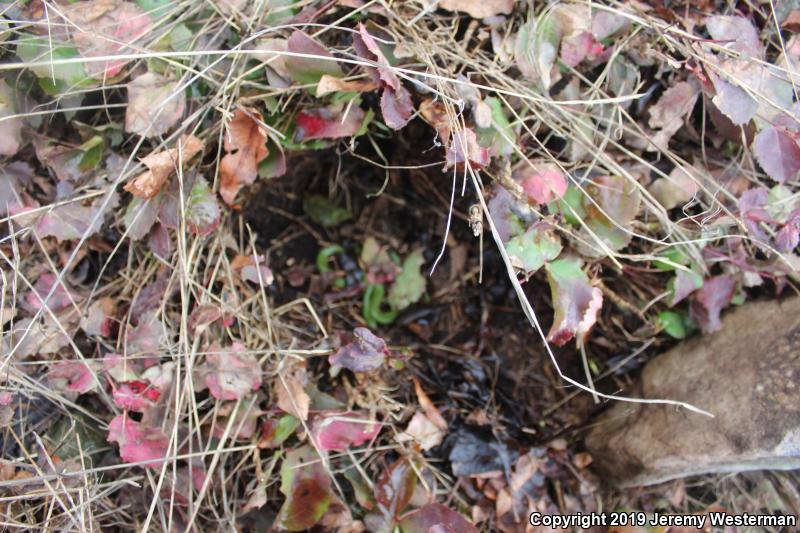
746,375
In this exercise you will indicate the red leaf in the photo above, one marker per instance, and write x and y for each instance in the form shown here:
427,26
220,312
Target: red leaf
777,152
138,442
325,123
337,432
306,485
395,487
135,396
708,302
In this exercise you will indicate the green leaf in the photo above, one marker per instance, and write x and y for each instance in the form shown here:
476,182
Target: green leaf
674,324
672,257
324,212
202,208
275,432
409,285
570,205
500,137
531,250
37,49
611,206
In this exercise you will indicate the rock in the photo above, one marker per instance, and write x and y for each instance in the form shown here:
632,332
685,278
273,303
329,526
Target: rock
747,375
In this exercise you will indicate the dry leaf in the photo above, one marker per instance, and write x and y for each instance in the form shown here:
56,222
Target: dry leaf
161,165
329,84
427,405
154,106
245,142
289,388
479,8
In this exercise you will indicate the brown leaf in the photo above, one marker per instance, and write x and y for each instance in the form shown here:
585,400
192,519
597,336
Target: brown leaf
154,106
329,84
291,397
245,142
161,165
427,405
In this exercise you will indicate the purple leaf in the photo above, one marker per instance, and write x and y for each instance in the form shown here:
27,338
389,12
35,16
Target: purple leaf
365,353
733,101
395,487
58,301
708,302
70,221
309,70
777,152
396,107
789,235
752,210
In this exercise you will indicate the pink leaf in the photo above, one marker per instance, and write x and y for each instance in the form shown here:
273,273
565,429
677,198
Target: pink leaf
138,442
232,373
578,47
99,319
58,301
463,148
435,518
752,210
544,186
737,33
365,353
135,396
75,376
396,107
337,432
576,302
324,123
777,152
708,302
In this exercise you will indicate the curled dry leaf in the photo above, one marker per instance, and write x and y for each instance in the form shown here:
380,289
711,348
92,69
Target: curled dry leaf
365,353
155,105
708,302
245,142
427,405
161,165
339,431
576,302
10,124
252,269
479,8
331,84
138,442
231,373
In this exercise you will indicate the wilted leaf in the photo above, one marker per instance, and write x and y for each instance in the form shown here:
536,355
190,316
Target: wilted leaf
231,373
708,302
309,70
61,298
437,518
290,390
147,338
242,418
733,101
753,212
202,209
161,165
676,189
788,236
324,212
668,113
75,376
337,432
251,270
14,177
10,125
529,251
737,33
138,442
536,48
106,29
607,23
327,123
463,147
479,8
139,217
778,153
99,318
306,485
245,144
683,284
423,431
365,353
503,208
409,285
135,396
330,84
155,105
576,302
578,47
397,107
70,221
619,200
498,137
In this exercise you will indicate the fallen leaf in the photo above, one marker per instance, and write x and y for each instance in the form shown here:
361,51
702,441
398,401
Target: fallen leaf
14,177
611,205
736,33
578,47
161,165
138,442
435,517
674,190
365,353
330,84
100,317
306,485
778,153
245,144
202,212
536,48
70,221
575,301
231,373
708,302
61,299
10,123
788,236
274,431
682,285
155,105
395,487
327,123
607,23
427,405
251,270
312,62
479,8
397,107
241,417
542,183
76,376
463,149
668,113
339,431
422,431
290,390
733,101
530,251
